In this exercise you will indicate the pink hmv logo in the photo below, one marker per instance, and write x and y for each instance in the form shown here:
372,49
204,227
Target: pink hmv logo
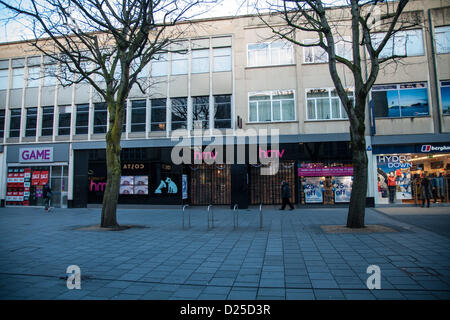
426,148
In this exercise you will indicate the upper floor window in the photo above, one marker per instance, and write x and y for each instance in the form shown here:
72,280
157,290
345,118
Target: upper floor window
30,127
179,113
200,61
65,113
272,106
3,79
317,54
222,111
14,127
100,117
34,74
222,59
274,53
445,97
138,115
159,65
200,112
47,121
403,43
2,123
158,115
82,119
17,77
442,35
179,63
50,75
324,104
400,100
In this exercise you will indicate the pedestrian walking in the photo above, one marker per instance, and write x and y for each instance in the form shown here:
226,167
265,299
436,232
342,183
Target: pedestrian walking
425,186
285,195
47,193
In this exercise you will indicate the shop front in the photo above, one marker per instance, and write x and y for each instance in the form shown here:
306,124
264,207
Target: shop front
400,169
30,167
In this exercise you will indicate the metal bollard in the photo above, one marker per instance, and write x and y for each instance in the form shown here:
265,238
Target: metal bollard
184,207
260,217
211,211
235,216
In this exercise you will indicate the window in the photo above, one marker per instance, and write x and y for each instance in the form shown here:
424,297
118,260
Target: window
64,120
404,43
2,123
30,127
200,61
138,115
400,100
275,53
445,96
324,104
100,117
50,75
222,59
124,125
3,79
179,63
222,111
179,113
200,112
34,74
14,128
314,54
158,115
47,121
272,106
82,119
17,78
442,35
159,65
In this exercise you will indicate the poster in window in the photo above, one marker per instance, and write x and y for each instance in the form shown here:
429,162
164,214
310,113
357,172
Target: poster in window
313,188
140,190
342,189
125,189
140,180
126,180
35,178
43,178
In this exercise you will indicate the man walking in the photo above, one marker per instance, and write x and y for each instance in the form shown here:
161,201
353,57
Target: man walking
47,193
285,195
425,186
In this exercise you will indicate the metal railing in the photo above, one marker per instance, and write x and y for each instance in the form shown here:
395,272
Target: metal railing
260,217
184,207
235,216
210,217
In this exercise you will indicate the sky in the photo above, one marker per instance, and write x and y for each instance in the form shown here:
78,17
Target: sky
16,30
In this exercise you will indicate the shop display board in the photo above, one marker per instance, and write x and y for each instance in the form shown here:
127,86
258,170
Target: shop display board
342,187
134,185
400,167
313,189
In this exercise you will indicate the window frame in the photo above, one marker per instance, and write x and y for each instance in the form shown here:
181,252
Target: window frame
28,117
141,124
426,87
270,53
446,85
61,128
2,123
201,58
78,113
216,55
215,110
330,98
96,128
205,122
178,121
391,42
436,31
184,60
272,93
44,114
16,117
158,123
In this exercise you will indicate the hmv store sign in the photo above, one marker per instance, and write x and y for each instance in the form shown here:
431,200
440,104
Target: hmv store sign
27,155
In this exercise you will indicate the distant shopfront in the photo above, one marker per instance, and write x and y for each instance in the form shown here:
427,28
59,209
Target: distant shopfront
30,167
150,177
401,167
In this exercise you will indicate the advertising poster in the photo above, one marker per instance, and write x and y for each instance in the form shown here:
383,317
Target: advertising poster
140,190
43,178
124,189
126,180
184,186
342,187
140,180
398,166
36,178
313,189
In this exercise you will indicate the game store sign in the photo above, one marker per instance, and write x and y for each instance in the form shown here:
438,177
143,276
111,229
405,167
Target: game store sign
27,155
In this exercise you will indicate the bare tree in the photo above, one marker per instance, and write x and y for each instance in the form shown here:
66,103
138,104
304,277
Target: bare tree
106,43
372,25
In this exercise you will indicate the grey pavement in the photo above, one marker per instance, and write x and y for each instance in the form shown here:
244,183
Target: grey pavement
290,258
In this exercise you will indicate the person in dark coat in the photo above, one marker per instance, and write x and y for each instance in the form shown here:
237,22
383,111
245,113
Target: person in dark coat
47,193
285,195
425,186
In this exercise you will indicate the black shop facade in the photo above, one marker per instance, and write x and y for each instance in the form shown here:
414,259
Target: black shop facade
319,173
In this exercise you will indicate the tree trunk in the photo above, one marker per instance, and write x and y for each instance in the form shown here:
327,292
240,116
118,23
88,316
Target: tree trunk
356,212
111,195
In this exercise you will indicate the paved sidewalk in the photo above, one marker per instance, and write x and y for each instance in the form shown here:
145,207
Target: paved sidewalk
291,258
